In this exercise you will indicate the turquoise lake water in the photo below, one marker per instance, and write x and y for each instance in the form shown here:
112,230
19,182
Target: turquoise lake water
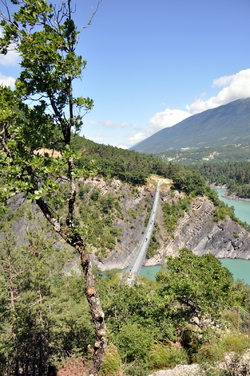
241,208
149,271
239,268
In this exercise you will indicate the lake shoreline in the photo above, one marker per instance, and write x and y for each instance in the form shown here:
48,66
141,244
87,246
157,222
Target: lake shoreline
230,197
239,270
236,198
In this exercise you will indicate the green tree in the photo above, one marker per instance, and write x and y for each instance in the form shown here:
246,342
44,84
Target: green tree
8,296
44,314
241,294
45,36
198,289
200,285
189,181
137,315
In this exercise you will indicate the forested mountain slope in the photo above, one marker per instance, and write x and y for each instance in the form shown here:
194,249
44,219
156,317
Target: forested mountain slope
225,125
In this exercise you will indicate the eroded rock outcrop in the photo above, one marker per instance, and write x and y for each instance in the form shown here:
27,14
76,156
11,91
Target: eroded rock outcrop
198,231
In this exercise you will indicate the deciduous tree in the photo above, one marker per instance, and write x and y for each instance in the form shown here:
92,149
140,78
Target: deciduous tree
45,36
199,285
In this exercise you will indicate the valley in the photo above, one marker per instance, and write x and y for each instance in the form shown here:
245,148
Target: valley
124,221
116,214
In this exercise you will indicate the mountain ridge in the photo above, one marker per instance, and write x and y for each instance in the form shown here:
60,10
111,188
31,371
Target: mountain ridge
224,125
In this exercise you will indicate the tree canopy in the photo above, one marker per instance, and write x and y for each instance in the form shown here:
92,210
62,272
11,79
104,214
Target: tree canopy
201,285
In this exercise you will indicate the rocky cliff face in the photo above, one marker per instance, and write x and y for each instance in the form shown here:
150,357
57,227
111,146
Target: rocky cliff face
224,239
196,230
135,204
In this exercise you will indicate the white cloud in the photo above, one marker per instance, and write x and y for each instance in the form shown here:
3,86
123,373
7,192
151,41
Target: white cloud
7,81
112,124
98,137
12,58
166,118
108,123
222,81
234,87
133,139
160,120
122,146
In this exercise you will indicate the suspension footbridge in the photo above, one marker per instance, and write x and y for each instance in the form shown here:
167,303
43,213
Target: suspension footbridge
143,246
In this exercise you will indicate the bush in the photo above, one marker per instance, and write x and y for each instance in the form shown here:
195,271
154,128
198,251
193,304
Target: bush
95,195
210,352
217,348
172,212
112,362
162,355
221,212
135,368
153,245
236,342
134,342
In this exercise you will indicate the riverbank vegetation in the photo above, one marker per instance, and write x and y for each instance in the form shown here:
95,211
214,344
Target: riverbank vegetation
234,175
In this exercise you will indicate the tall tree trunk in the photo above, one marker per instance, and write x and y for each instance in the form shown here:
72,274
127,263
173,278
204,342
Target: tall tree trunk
75,240
96,312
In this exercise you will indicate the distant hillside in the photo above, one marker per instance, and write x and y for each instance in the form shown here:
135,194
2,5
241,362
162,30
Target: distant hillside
198,156
224,125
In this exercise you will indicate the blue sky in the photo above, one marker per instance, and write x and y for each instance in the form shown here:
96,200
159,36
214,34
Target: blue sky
150,64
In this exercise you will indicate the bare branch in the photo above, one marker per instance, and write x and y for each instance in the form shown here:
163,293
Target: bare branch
7,10
94,11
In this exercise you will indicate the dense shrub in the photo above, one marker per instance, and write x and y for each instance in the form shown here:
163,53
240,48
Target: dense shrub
112,362
166,355
134,342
